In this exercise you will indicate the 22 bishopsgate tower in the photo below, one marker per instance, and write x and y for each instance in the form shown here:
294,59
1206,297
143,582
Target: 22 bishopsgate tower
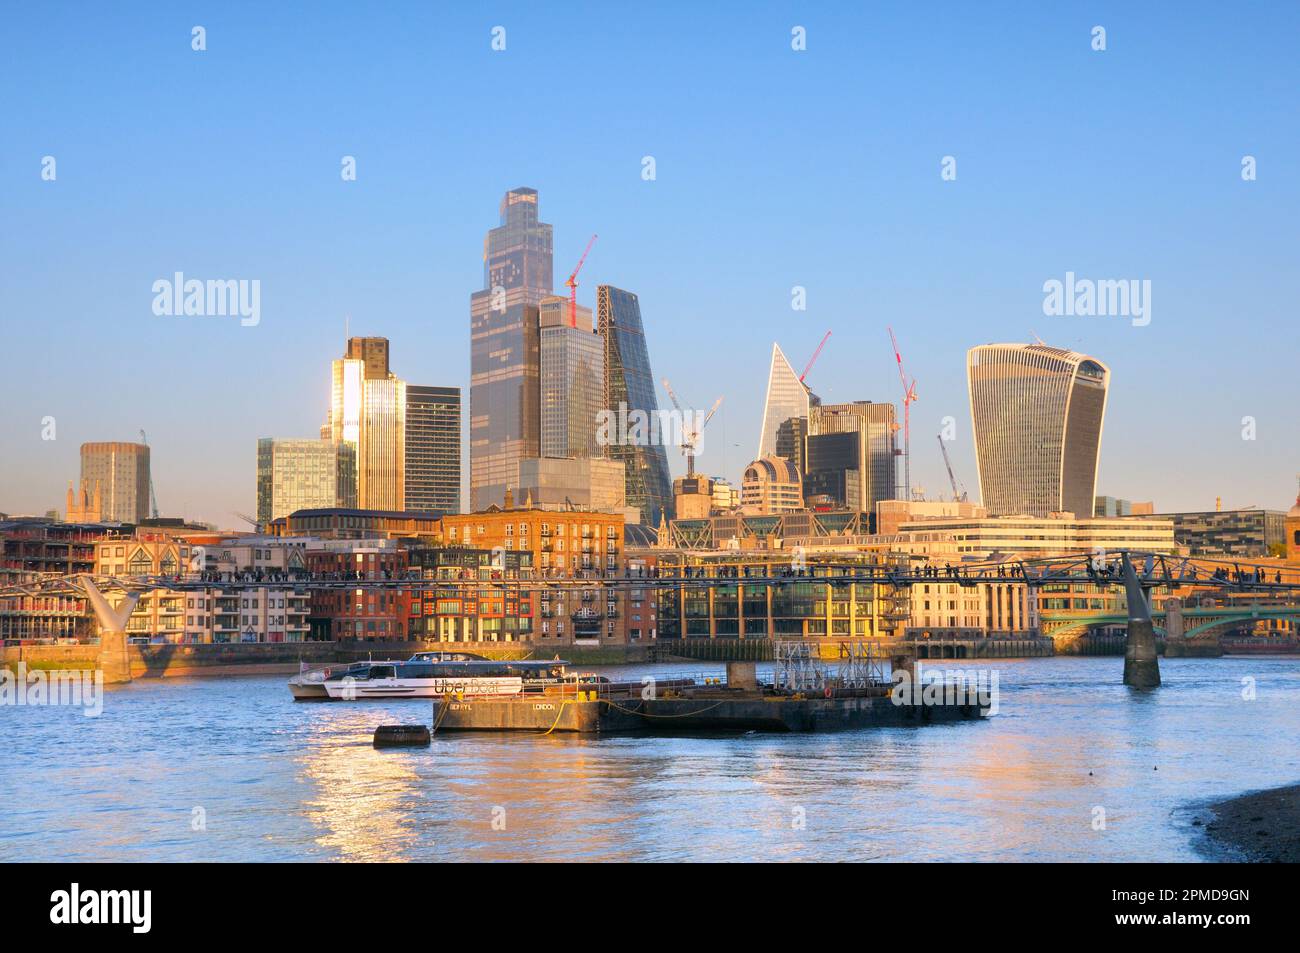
504,424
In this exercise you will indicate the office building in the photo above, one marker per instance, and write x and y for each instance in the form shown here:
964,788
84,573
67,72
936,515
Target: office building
747,604
629,389
118,474
504,422
771,485
950,539
1036,415
725,496
787,397
791,442
1249,533
850,453
572,380
296,475
432,449
693,497
590,483
368,416
891,514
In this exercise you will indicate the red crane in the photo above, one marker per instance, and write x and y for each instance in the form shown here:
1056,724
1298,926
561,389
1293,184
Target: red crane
813,360
572,282
909,395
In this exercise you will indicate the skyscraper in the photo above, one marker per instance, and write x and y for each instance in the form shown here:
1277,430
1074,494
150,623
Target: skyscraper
296,475
432,449
850,453
121,471
630,386
504,422
791,441
786,397
1036,416
368,414
572,382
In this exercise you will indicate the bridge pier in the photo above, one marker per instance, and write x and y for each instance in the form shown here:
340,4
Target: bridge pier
114,660
1141,663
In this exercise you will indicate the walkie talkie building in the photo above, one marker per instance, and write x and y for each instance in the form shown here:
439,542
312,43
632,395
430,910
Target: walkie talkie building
1036,415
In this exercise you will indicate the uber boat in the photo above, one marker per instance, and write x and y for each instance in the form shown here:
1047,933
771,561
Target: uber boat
309,684
436,678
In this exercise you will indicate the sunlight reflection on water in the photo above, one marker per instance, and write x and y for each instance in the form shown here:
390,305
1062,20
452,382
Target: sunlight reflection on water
279,780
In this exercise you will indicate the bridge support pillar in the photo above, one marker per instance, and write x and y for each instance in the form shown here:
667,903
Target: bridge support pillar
1141,664
114,658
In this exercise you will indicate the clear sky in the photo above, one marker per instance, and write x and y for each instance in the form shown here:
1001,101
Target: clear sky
775,168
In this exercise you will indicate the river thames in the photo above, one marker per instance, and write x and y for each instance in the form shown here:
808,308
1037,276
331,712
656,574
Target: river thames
1074,767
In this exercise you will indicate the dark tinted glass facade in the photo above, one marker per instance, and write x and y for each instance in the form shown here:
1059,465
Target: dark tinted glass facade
790,441
504,358
630,383
432,449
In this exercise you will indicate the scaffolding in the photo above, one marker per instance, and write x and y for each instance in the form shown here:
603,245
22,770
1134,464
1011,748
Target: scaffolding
798,669
862,665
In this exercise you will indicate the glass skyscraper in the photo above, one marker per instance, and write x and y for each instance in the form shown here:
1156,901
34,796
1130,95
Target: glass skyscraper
504,423
850,453
1036,415
786,397
296,475
630,386
432,449
368,415
572,381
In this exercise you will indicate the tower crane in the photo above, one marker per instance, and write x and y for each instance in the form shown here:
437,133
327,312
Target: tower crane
690,435
153,500
952,480
572,282
909,395
813,360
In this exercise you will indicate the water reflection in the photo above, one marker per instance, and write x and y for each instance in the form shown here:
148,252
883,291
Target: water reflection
283,781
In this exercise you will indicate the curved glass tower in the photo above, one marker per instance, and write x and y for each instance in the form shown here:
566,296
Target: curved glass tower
1036,415
630,386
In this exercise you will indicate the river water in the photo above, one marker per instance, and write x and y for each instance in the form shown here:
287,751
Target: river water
1073,767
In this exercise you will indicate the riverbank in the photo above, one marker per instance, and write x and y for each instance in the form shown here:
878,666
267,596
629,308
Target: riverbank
1263,827
264,658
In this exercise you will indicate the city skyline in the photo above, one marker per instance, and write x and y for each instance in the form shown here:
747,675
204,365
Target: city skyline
950,265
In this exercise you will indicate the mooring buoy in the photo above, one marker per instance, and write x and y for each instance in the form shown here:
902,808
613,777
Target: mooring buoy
391,736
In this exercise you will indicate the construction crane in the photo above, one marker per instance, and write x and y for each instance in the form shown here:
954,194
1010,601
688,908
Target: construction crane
813,360
572,282
153,500
690,435
952,480
909,395
257,527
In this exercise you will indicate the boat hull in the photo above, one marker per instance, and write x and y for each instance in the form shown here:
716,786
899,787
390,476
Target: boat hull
358,689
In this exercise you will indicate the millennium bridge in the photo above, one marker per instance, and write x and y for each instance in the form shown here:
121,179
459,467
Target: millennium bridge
1237,592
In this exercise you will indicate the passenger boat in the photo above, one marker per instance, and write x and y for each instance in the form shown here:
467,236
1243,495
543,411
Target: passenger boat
435,678
309,684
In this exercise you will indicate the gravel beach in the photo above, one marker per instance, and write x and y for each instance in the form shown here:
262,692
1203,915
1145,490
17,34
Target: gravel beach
1264,826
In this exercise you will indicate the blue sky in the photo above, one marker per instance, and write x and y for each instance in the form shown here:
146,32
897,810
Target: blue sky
775,168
